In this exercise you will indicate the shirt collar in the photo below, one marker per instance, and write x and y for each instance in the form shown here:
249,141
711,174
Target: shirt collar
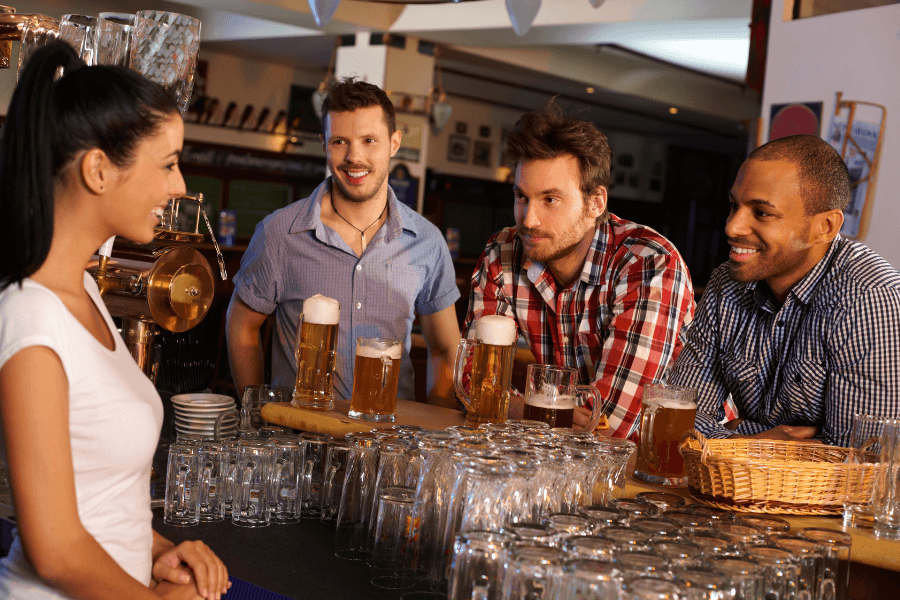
805,289
593,267
310,214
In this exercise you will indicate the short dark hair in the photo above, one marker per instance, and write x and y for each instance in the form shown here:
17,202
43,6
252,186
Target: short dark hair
49,122
548,133
349,94
824,179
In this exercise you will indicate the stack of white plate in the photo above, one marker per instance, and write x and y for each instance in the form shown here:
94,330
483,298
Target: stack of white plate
196,414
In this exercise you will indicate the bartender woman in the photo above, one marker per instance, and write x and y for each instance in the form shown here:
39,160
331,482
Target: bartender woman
86,156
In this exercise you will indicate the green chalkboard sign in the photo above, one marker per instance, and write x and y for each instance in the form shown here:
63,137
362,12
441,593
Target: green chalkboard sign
253,200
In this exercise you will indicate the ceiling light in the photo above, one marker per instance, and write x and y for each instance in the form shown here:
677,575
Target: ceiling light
673,111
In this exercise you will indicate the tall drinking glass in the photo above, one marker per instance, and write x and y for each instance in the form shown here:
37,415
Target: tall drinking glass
863,464
492,354
37,31
477,565
887,503
114,38
80,32
317,332
552,393
667,412
375,379
533,572
164,49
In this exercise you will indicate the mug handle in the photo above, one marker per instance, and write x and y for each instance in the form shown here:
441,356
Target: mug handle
463,351
386,365
218,428
597,410
646,435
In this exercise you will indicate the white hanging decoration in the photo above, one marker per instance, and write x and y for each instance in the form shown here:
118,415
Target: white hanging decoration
323,10
318,99
597,3
522,14
440,115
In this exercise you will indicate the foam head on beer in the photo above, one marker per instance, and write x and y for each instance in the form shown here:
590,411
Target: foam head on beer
496,330
367,351
671,403
549,397
321,310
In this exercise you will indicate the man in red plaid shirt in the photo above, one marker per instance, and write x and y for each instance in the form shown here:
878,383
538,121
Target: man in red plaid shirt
587,289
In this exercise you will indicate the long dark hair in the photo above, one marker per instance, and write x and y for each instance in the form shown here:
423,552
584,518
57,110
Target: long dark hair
49,122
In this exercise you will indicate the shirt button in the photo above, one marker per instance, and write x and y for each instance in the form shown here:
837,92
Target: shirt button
565,339
359,305
780,323
359,267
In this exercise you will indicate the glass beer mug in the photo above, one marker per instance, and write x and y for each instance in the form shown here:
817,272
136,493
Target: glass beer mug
375,379
552,393
667,412
316,342
493,350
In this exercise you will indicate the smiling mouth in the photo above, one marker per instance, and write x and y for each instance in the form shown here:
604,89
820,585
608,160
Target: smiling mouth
356,176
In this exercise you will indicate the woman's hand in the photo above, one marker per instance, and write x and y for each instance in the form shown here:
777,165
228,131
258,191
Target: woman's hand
192,560
173,591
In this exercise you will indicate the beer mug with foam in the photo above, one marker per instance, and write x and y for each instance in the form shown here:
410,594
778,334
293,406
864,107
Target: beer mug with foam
316,342
492,352
375,379
552,393
667,412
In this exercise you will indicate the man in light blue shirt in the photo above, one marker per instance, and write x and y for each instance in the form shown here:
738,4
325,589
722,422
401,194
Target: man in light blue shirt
351,240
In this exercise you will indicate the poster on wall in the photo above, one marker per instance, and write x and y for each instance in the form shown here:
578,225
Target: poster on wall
859,155
405,186
410,142
795,118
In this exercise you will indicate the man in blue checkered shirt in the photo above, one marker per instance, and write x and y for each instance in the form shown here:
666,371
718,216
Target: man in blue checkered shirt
801,327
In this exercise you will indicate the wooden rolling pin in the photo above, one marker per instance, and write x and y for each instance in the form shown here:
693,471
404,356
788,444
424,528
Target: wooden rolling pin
337,423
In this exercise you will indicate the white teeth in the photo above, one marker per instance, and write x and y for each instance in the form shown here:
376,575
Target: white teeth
743,250
356,174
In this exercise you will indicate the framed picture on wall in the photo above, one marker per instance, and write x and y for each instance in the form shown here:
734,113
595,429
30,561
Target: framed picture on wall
482,154
458,148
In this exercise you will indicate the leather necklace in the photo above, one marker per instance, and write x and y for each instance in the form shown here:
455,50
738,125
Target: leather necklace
362,232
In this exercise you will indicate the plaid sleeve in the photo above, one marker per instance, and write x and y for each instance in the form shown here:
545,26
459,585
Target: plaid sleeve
652,299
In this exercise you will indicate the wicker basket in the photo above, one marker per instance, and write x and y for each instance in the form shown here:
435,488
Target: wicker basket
767,476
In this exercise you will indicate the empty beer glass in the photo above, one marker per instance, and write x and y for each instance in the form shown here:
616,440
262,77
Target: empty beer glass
80,32
250,505
114,38
375,379
552,393
477,567
317,331
164,49
182,497
493,351
211,480
287,466
667,412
